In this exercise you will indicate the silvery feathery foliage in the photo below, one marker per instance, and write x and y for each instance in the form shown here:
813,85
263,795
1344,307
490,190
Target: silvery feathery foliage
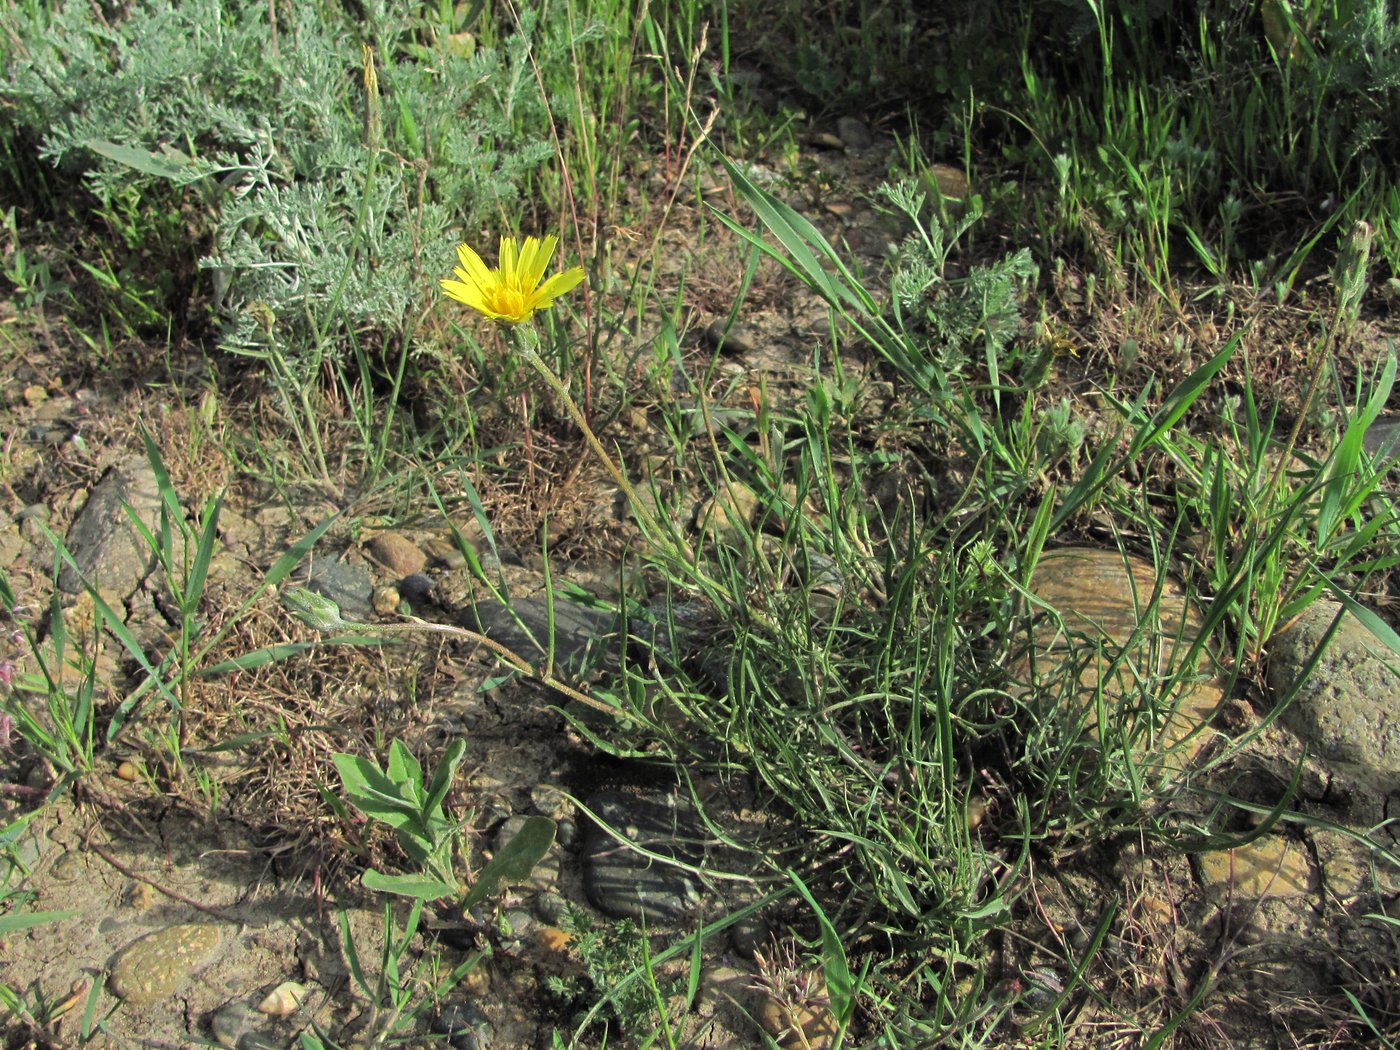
961,319
190,105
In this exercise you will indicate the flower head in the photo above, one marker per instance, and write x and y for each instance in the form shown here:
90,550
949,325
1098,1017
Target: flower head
511,292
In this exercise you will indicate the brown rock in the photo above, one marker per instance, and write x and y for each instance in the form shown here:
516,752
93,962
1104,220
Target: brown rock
950,182
1099,598
386,600
397,553
728,515
798,1026
552,939
1268,867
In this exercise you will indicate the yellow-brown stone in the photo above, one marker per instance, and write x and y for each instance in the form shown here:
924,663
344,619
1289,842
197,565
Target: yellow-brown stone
159,964
1126,637
1271,866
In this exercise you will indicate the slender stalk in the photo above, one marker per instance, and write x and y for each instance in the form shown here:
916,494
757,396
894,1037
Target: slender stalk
543,675
1350,278
527,342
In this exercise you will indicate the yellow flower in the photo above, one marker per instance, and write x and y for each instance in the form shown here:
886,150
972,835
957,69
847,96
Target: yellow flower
511,292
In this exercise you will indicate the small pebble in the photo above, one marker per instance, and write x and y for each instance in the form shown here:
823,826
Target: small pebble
1043,986
477,980
854,133
550,907
566,833
521,922
68,868
415,589
284,1000
397,553
552,939
230,1021
551,802
976,812
750,934
739,339
386,600
464,1024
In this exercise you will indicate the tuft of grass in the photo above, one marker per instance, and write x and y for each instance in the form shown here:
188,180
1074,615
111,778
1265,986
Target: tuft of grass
1219,142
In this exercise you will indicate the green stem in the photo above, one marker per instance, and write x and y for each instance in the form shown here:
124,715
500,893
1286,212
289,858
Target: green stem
1349,275
527,342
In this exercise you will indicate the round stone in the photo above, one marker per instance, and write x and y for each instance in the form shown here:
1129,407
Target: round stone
750,934
566,834
159,964
416,590
398,554
386,600
733,339
552,802
853,133
1345,711
550,907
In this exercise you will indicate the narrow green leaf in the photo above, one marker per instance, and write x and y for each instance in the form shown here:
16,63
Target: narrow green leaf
352,954
168,496
168,164
294,554
204,554
1183,397
443,776
25,920
422,887
840,985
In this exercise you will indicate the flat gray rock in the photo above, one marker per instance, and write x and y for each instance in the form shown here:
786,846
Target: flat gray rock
1348,710
346,584
106,546
1382,438
580,633
625,883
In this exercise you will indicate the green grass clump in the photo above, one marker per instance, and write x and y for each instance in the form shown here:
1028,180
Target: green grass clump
1231,139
